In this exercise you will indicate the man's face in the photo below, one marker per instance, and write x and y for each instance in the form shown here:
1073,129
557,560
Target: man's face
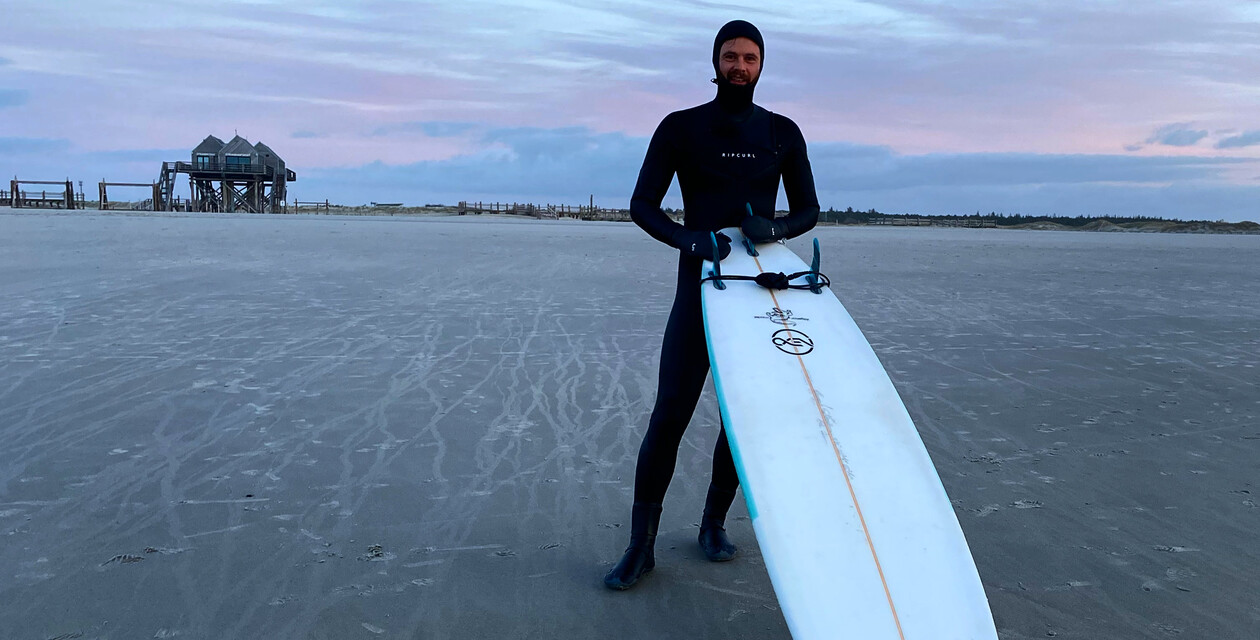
739,61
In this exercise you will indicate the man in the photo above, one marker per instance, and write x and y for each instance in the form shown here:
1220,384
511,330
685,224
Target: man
728,153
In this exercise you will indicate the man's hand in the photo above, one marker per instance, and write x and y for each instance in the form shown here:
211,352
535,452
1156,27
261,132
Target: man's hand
759,229
700,244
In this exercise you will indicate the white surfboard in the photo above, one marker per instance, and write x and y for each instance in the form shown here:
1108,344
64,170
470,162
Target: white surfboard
857,533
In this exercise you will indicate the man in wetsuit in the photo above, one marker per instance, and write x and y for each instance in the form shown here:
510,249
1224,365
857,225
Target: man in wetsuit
728,153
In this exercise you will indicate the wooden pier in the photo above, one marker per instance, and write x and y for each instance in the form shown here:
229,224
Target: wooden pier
229,177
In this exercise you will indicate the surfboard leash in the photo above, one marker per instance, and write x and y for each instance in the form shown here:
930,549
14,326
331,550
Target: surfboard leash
815,280
779,280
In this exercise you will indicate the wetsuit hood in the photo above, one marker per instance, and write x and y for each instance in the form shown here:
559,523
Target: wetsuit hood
736,98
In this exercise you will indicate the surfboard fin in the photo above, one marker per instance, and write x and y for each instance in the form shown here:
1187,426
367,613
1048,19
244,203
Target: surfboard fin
752,251
815,283
716,271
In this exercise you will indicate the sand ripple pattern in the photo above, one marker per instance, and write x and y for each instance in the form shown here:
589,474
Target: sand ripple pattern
304,427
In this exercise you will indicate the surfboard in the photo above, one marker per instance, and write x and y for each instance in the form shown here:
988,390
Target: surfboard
856,530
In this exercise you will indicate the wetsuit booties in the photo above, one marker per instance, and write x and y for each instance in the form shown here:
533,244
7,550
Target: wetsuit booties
639,557
713,541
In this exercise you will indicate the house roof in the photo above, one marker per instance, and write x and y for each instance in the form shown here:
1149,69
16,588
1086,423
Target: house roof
210,145
239,146
268,157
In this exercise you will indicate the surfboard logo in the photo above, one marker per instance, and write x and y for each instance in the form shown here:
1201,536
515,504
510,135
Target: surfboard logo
782,317
792,342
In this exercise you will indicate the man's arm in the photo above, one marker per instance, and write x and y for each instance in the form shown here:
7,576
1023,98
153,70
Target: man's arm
798,182
654,178
645,205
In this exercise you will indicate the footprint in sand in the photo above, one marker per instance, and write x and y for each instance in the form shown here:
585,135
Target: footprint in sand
123,558
987,509
1173,549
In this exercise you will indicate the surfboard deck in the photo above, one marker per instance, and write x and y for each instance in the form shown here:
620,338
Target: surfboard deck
858,536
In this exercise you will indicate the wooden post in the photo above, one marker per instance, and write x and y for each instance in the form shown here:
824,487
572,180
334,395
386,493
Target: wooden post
104,201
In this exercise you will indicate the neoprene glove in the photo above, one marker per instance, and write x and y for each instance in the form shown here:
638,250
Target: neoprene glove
700,245
759,229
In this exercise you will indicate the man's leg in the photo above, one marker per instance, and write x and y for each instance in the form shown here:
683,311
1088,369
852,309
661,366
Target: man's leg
713,541
684,367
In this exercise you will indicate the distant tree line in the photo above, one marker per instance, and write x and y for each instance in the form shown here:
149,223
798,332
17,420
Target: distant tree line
849,216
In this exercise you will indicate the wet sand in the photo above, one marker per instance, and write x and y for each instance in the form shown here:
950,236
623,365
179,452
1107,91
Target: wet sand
315,427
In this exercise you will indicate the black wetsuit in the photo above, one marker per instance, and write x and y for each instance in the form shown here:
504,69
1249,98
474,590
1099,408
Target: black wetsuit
726,154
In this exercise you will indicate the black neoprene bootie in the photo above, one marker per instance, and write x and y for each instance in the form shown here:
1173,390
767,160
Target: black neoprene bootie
640,557
713,541
717,547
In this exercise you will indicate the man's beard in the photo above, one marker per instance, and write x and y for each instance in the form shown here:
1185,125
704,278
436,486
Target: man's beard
735,98
736,74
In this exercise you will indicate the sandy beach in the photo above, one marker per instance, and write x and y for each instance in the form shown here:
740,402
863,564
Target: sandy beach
234,426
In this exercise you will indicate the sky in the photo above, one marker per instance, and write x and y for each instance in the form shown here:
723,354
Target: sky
931,107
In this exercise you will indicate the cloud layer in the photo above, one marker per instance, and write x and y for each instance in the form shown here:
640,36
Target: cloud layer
1027,100
1247,139
1178,134
570,164
13,98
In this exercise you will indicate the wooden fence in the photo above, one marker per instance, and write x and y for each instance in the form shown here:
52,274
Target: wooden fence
144,204
315,207
543,211
20,198
933,222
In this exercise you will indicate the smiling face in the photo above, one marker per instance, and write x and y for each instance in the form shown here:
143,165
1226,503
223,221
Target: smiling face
739,61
